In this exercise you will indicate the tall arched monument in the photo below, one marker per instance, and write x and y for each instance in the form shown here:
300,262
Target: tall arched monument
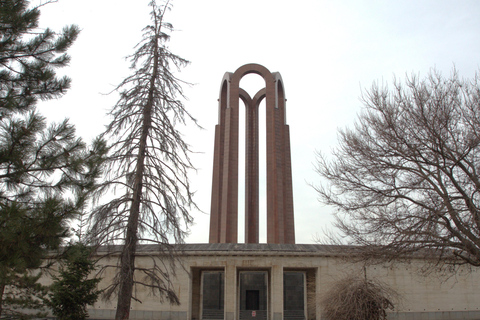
224,205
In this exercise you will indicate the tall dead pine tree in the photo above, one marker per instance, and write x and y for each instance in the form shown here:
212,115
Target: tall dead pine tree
148,163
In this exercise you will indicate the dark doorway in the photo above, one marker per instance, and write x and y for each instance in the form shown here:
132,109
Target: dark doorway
253,295
253,300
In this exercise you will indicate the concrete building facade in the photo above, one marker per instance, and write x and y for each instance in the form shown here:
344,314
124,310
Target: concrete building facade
214,284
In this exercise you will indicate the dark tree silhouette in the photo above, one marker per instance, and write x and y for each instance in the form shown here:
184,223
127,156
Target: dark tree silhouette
46,172
72,289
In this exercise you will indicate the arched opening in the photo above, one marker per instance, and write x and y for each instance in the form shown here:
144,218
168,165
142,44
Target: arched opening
252,83
241,171
262,148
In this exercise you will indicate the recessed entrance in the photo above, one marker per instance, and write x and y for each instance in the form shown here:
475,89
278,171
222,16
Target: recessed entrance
213,286
294,295
253,295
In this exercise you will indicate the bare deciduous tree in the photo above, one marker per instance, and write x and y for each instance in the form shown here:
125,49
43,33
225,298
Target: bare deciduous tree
405,179
148,166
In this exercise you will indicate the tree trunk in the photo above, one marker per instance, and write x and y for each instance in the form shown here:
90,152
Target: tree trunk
127,262
127,267
2,290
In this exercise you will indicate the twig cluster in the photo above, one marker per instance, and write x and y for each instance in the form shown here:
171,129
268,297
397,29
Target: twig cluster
405,179
359,299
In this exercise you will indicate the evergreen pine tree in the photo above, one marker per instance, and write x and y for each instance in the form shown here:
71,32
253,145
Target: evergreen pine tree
72,290
45,170
149,161
29,57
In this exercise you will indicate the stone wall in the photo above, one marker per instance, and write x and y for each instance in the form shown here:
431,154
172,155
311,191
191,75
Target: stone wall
423,297
433,296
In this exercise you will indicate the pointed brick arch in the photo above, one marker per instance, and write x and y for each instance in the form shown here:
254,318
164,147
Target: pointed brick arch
224,207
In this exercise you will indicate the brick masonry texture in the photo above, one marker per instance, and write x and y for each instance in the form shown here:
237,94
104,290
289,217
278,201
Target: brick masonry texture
224,205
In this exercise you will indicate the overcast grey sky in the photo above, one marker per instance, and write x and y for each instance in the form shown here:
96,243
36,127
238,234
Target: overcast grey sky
326,51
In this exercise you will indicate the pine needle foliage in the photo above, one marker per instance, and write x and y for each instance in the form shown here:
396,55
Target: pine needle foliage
29,57
147,167
72,290
46,172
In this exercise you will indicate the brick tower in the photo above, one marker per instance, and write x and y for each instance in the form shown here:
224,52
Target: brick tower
224,206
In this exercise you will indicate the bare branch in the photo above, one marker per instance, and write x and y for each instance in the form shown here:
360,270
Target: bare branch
404,179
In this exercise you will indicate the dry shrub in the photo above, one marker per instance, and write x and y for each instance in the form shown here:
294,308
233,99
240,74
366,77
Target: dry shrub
355,298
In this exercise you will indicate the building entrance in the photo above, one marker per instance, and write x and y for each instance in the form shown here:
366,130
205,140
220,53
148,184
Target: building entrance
253,295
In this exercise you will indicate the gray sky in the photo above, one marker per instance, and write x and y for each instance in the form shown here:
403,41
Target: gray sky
326,51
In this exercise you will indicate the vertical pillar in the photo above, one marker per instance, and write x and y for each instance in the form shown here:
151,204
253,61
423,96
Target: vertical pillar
276,292
252,167
218,162
288,191
272,196
230,292
229,192
318,284
216,187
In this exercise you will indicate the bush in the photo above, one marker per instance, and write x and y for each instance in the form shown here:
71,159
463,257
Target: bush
358,298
